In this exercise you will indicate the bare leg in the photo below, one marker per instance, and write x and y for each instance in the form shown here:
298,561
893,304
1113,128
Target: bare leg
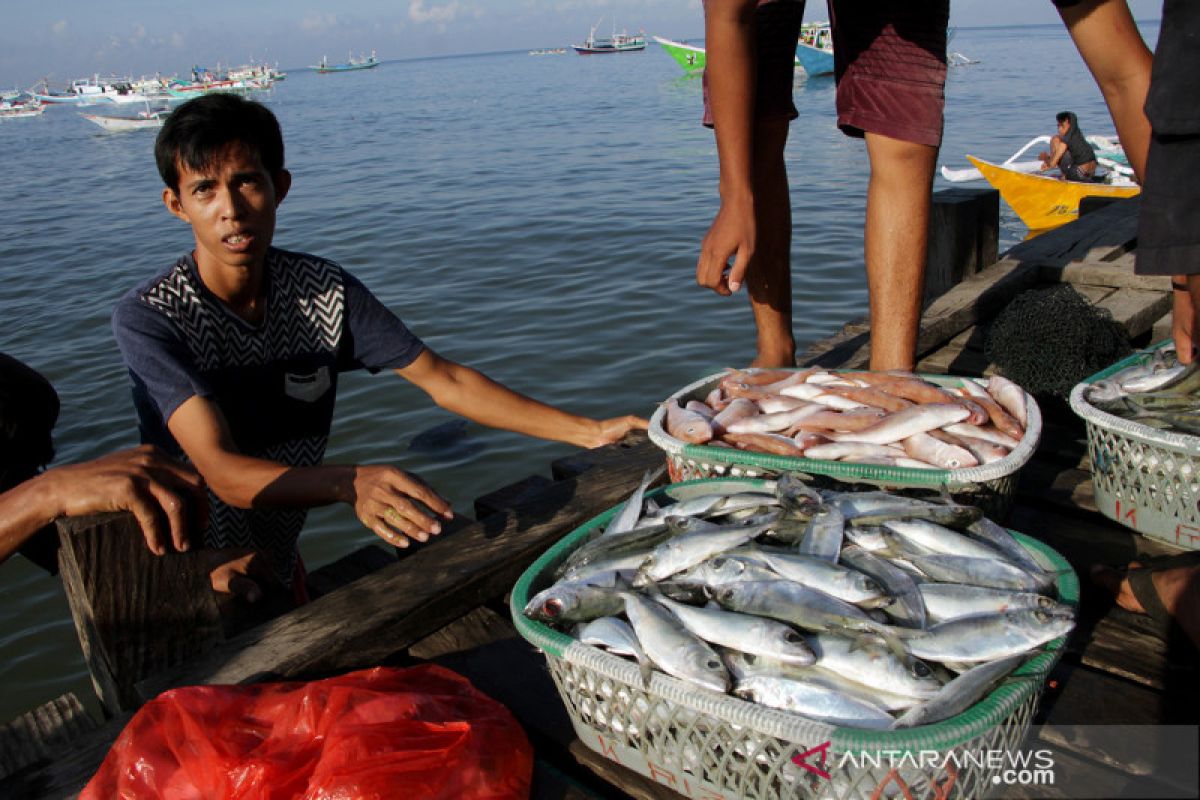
769,275
1178,589
1114,51
896,237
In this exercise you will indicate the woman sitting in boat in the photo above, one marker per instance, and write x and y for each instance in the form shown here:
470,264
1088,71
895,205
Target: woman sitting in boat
1070,151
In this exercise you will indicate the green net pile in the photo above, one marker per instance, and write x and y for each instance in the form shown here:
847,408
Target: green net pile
1048,340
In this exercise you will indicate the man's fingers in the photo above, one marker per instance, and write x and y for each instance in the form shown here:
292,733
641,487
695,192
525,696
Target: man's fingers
148,519
738,273
245,587
177,514
417,489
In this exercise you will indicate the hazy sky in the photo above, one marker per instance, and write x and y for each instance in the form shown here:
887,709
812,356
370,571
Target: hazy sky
65,39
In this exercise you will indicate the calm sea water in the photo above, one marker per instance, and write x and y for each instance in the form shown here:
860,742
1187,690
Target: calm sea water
535,217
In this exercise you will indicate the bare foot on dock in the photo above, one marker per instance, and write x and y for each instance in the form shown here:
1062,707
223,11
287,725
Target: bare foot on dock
1165,594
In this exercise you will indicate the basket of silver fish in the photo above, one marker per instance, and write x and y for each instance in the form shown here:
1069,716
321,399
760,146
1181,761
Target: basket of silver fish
888,429
1143,429
751,638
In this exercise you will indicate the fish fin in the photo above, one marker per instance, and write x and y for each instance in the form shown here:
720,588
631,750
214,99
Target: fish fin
645,668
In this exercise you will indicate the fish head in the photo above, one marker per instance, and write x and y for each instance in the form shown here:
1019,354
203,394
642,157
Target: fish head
548,605
708,669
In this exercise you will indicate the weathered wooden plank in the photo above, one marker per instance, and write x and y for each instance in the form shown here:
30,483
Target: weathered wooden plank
65,775
42,733
1161,330
1070,489
476,628
1074,776
1128,653
962,355
348,568
579,462
507,496
1117,274
388,610
963,236
1135,309
1093,236
136,613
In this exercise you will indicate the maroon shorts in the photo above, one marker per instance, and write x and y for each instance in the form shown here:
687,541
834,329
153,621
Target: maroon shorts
890,66
777,27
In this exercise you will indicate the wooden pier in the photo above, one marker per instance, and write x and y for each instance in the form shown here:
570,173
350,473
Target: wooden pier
446,601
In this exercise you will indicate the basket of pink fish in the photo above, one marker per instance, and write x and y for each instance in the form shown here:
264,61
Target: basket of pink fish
967,436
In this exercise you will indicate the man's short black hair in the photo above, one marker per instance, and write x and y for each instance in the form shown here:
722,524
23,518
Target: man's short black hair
1063,116
196,132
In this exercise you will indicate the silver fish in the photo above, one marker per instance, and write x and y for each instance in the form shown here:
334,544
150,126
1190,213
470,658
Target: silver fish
823,538
746,665
688,549
579,600
907,607
866,662
743,632
813,700
998,537
669,645
846,584
626,519
988,637
993,572
940,539
959,694
946,601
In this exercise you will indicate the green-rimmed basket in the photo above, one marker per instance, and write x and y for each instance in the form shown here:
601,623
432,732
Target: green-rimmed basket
710,745
989,486
1144,478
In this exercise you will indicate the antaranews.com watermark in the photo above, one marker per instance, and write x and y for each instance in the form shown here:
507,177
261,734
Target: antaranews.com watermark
1155,762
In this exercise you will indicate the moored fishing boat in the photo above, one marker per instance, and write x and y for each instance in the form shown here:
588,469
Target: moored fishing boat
621,42
688,56
1042,201
151,118
350,65
814,50
11,109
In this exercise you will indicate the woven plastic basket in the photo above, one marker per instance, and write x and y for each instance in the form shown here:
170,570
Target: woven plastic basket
709,745
990,486
1144,478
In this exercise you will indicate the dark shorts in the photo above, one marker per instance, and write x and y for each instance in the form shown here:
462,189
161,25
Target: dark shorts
1169,220
890,66
777,27
1074,172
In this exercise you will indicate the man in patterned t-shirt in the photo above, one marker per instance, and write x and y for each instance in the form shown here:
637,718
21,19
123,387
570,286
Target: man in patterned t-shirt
235,351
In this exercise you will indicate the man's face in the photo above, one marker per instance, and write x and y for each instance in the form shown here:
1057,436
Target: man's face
1063,127
230,206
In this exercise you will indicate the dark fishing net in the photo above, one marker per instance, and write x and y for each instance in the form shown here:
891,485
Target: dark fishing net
1048,340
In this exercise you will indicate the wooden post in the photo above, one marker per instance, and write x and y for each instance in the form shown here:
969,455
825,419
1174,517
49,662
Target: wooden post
136,613
964,237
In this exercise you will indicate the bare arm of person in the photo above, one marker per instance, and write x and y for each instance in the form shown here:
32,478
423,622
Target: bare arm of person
729,40
1050,160
1109,42
395,505
471,394
166,497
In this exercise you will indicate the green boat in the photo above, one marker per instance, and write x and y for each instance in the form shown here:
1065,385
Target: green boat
688,56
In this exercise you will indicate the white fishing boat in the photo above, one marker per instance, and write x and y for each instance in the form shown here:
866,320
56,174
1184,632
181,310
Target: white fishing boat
150,118
12,108
622,42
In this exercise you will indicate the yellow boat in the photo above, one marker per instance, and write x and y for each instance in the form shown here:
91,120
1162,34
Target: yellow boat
1042,201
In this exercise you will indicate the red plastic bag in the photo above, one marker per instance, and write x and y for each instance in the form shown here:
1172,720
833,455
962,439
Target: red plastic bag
422,732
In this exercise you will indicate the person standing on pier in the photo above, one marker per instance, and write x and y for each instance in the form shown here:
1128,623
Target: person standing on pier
890,68
235,350
1154,100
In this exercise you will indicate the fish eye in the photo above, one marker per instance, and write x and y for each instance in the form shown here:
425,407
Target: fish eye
921,670
749,658
1041,616
791,637
712,664
719,562
552,608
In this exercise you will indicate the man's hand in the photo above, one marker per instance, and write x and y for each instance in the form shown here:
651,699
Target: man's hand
395,504
610,431
240,572
167,497
1185,297
732,233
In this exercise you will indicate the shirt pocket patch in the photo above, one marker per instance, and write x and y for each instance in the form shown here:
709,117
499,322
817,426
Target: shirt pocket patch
308,387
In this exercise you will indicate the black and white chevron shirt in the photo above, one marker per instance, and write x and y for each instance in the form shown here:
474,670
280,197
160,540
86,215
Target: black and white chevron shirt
274,382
